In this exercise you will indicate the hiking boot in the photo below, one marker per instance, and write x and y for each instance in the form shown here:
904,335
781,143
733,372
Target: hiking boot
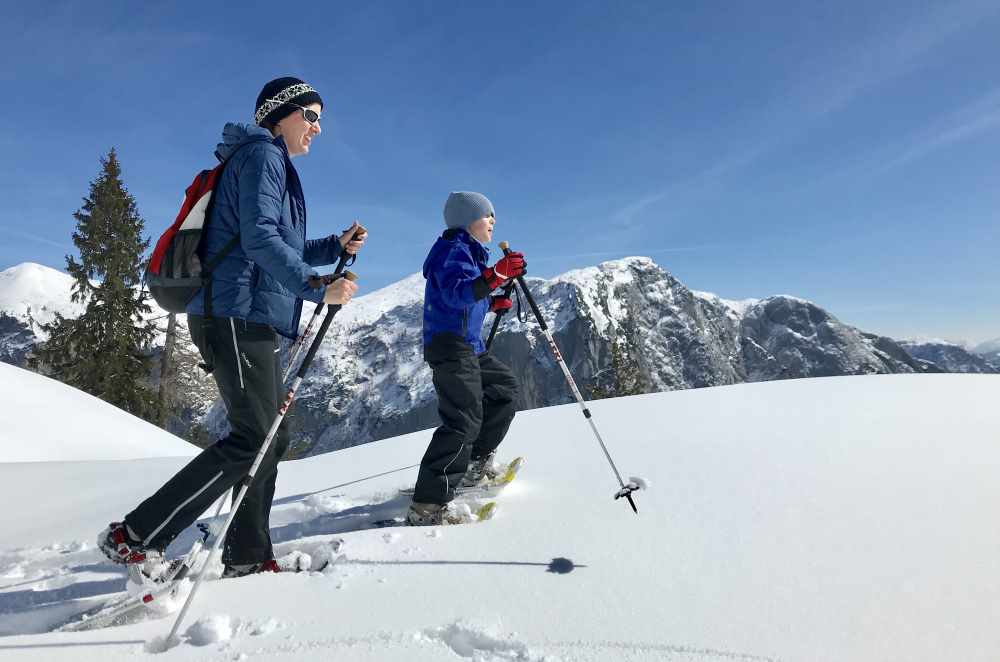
242,570
435,514
120,546
481,470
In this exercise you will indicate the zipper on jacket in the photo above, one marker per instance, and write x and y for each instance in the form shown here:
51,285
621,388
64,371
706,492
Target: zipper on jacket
465,322
236,348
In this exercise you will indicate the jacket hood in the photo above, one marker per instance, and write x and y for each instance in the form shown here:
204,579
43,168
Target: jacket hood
236,134
447,241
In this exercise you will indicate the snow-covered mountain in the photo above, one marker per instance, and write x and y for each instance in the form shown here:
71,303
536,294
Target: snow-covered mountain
29,292
816,520
625,327
952,357
43,290
990,350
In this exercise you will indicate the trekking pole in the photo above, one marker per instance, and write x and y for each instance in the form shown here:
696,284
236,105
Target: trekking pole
626,489
496,320
332,310
293,352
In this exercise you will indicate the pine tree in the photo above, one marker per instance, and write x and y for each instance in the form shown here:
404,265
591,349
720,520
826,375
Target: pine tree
105,351
626,375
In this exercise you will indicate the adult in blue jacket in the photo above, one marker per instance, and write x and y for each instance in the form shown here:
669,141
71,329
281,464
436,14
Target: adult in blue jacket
475,389
258,223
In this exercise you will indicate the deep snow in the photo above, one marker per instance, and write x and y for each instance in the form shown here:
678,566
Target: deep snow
838,519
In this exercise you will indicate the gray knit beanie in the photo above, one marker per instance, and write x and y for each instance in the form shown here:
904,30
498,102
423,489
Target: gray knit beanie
464,207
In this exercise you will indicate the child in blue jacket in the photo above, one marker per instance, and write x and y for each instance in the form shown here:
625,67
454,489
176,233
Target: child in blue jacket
475,389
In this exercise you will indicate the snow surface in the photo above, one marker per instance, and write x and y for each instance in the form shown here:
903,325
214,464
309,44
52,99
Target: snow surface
848,518
46,421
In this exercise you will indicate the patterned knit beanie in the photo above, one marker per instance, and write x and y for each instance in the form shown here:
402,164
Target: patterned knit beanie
274,101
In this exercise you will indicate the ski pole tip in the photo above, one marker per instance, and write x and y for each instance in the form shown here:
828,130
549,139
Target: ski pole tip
626,491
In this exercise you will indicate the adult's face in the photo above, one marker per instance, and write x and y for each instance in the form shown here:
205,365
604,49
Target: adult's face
297,131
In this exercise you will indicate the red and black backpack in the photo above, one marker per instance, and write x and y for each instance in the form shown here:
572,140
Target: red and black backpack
176,268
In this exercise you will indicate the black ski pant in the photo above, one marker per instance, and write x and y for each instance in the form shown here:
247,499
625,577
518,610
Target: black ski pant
245,361
476,405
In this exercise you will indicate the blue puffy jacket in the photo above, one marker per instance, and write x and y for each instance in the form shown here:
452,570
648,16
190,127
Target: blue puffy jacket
450,305
265,277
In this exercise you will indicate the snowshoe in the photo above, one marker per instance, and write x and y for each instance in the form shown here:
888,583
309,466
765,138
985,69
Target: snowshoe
494,479
155,569
435,514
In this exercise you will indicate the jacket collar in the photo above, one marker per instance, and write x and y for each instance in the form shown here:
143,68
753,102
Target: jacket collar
461,234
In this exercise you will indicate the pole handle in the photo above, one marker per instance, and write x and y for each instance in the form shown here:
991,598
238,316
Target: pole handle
315,283
505,247
344,255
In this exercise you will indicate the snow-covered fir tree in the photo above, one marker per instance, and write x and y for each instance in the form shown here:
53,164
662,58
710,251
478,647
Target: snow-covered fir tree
105,351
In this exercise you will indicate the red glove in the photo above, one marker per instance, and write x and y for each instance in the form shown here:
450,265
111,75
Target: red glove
500,304
509,266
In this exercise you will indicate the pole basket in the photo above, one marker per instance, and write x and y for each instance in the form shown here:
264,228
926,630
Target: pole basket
626,492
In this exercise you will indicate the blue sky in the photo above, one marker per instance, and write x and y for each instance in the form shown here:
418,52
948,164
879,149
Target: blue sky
848,153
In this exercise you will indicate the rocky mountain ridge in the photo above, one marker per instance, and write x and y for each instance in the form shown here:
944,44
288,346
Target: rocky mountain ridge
624,327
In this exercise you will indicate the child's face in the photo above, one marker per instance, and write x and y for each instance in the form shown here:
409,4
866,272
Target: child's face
482,229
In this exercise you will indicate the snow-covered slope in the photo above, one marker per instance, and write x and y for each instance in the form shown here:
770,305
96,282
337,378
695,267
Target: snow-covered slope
46,421
835,519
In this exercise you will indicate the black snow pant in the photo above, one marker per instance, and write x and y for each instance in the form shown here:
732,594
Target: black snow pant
245,361
476,405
